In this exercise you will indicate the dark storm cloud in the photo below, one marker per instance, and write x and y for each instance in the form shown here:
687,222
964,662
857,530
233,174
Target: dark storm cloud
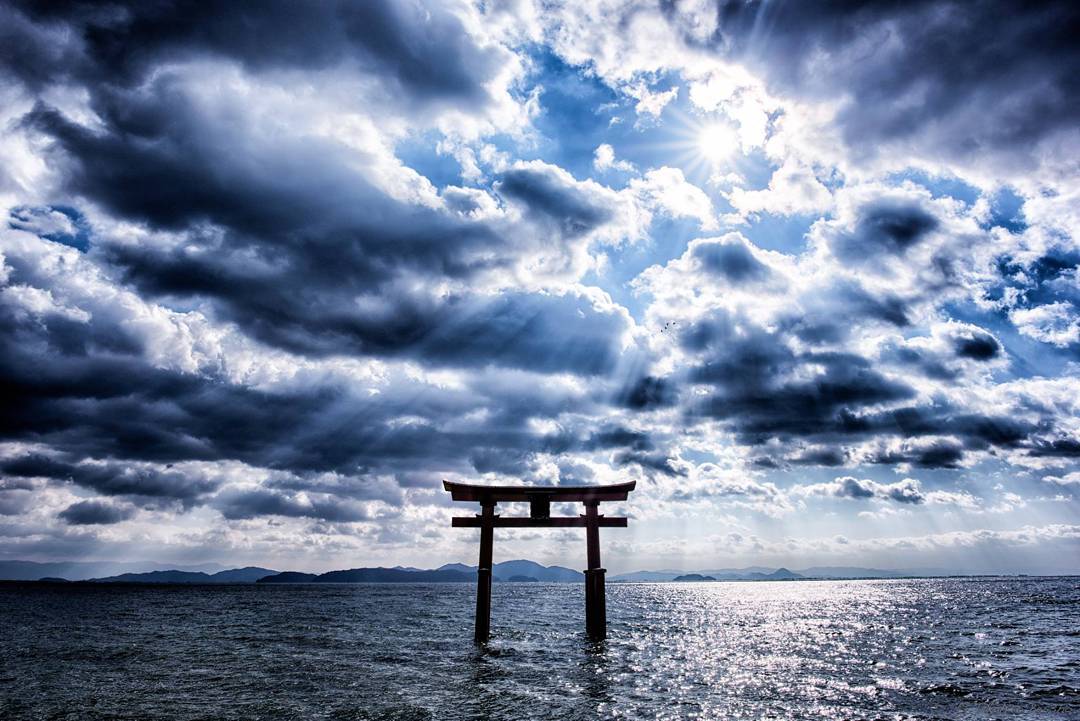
940,454
311,223
283,235
115,479
87,513
552,201
512,463
763,390
1056,448
849,487
980,347
35,466
731,260
160,162
420,48
619,437
960,78
944,361
919,360
535,331
262,502
755,387
978,431
647,393
819,457
627,446
883,226
110,404
658,462
828,315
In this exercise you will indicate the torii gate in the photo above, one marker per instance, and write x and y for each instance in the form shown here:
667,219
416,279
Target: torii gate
540,499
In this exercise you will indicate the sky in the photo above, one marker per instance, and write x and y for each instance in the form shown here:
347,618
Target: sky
807,272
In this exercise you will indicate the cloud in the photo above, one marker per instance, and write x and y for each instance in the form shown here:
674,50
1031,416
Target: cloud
117,479
424,50
792,189
551,197
604,159
908,491
648,392
1054,323
88,513
268,275
883,227
977,346
731,258
254,503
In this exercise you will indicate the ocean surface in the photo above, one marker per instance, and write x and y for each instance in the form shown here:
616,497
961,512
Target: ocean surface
921,649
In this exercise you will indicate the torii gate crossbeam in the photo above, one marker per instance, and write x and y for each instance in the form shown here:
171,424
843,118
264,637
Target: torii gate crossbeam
540,499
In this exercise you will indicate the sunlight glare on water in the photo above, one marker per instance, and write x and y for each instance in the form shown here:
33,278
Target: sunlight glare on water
920,649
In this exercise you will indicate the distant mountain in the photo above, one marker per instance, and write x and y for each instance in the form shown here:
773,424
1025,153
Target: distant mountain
646,576
748,574
759,573
692,578
289,577
737,572
83,570
250,574
505,570
157,577
150,572
547,574
393,575
247,574
457,567
516,571
372,575
523,579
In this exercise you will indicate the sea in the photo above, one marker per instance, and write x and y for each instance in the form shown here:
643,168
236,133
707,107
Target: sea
956,649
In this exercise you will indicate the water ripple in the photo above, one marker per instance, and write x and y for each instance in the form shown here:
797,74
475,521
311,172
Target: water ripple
926,649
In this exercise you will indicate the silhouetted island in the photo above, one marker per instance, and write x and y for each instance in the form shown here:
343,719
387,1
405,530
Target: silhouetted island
507,571
249,574
692,577
516,571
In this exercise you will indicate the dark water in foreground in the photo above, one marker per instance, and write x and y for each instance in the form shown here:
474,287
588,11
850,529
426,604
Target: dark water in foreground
925,649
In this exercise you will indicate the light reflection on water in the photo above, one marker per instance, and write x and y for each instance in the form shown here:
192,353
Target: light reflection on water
949,649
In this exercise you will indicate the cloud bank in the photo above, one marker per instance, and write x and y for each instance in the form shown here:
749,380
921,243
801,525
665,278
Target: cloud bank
269,276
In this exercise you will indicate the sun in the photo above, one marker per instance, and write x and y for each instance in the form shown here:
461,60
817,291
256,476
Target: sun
716,142
705,147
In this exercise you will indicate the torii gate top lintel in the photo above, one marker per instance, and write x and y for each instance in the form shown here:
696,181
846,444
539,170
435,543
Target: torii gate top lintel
555,494
540,499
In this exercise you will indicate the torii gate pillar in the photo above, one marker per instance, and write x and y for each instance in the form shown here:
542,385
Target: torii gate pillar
483,574
540,499
595,601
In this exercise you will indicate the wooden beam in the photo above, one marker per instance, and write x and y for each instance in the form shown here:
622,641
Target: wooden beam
483,574
595,601
523,522
552,494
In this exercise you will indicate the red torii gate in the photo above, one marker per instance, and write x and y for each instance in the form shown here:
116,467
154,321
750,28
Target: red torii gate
540,499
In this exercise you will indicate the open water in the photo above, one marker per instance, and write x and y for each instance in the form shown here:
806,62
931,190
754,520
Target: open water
922,649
